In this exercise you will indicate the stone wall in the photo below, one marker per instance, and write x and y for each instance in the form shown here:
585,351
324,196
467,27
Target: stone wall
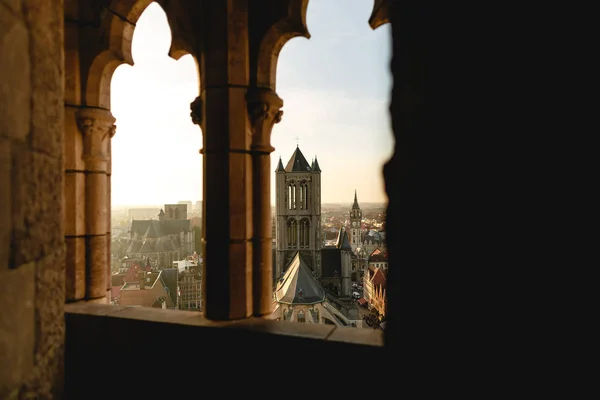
31,231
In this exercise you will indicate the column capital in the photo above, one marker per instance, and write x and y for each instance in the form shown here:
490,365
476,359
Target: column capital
196,110
97,127
264,110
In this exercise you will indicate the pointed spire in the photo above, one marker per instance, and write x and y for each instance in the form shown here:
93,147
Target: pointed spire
355,205
280,166
315,166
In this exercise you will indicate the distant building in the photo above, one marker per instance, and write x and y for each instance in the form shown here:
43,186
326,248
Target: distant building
150,289
189,282
374,285
163,241
188,203
298,212
377,259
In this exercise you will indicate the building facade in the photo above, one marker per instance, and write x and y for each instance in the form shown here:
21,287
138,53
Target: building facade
189,292
298,212
162,241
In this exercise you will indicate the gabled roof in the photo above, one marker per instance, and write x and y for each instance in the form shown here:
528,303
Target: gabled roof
151,232
379,278
298,286
297,163
160,228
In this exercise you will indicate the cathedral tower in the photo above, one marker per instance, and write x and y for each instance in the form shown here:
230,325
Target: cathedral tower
355,224
298,210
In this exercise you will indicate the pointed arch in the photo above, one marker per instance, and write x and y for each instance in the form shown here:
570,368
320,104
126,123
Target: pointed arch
115,37
292,25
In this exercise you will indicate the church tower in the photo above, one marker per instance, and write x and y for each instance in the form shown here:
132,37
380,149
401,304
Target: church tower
355,223
298,210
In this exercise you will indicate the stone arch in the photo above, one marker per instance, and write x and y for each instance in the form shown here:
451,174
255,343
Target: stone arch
116,34
292,233
292,25
304,235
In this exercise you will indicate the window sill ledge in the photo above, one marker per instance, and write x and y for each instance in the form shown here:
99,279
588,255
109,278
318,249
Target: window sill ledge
357,336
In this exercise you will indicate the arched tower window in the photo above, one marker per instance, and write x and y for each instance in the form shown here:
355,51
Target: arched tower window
306,189
304,233
301,196
292,233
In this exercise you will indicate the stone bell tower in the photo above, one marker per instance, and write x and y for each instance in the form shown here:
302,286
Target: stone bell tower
355,224
298,210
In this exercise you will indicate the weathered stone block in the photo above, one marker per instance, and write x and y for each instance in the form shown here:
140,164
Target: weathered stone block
97,208
5,207
75,268
14,5
47,377
46,22
240,196
15,85
49,302
74,203
240,279
17,326
72,70
96,264
37,226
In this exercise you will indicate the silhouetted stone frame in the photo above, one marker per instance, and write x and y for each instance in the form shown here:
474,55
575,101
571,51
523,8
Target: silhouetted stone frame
115,34
93,52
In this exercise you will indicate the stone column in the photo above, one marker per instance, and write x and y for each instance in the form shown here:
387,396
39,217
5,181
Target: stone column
226,158
97,127
264,110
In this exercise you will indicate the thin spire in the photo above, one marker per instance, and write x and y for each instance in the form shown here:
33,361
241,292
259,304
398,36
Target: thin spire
355,205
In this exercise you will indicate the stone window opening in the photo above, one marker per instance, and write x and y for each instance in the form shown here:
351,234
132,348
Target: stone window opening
97,96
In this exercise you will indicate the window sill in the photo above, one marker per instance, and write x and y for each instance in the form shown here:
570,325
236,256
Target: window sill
141,345
357,336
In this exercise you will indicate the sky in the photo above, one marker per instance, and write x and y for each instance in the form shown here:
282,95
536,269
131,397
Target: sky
335,87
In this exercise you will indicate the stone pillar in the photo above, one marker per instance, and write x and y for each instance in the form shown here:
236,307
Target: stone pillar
97,127
227,165
264,110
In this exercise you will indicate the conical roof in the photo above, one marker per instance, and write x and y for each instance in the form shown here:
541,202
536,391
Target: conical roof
297,163
298,286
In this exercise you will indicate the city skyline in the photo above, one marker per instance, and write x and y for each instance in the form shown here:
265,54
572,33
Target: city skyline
341,117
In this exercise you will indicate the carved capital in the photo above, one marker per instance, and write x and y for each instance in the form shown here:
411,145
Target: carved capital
197,112
97,127
264,110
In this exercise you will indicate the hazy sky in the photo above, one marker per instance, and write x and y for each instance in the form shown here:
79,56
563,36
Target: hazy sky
335,87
